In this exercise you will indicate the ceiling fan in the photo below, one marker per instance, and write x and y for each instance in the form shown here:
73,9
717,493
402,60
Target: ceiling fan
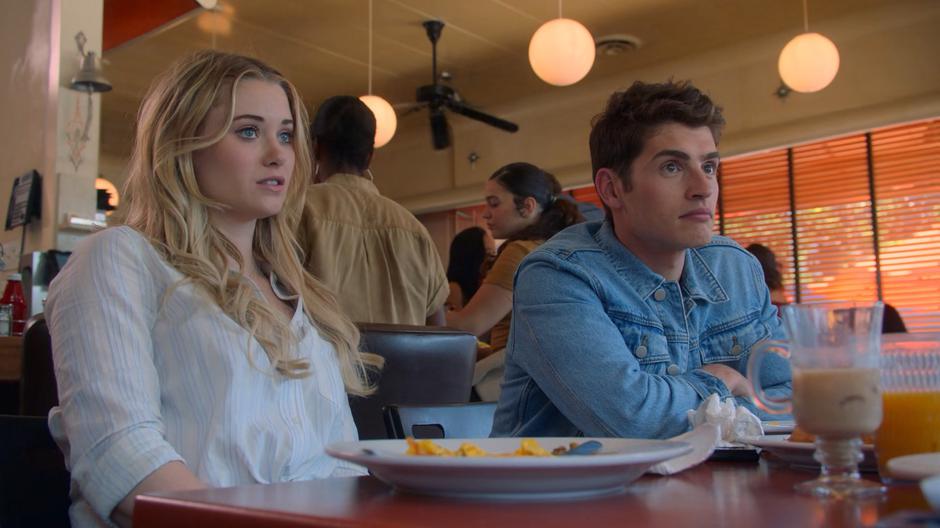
437,97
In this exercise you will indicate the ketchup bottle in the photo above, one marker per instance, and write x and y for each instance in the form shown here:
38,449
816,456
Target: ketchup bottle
13,295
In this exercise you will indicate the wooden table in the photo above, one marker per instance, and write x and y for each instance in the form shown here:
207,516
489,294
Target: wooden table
11,357
713,494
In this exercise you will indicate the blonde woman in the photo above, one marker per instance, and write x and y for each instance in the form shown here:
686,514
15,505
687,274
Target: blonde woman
191,349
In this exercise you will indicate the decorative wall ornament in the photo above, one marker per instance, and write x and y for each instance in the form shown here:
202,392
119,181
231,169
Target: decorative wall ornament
76,133
88,80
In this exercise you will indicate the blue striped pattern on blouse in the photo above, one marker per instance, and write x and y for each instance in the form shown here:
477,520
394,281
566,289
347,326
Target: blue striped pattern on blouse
144,381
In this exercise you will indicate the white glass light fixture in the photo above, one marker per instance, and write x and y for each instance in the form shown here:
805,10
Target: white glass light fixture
385,120
561,51
809,62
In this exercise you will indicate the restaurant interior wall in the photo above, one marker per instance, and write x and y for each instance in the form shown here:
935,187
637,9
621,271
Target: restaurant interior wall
45,118
28,103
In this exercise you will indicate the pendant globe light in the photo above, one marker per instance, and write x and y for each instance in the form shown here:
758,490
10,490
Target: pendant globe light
385,120
561,51
809,62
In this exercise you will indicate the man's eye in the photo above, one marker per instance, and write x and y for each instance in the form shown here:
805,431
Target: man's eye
671,167
286,136
710,168
247,132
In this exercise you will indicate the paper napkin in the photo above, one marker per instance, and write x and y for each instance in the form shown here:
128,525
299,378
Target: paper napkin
734,421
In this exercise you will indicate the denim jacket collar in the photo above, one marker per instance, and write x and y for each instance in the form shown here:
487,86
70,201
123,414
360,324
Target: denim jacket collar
697,280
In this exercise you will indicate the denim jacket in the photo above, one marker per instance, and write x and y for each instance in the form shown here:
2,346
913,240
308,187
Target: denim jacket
600,345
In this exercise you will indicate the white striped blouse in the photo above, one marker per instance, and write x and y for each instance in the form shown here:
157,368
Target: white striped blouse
145,380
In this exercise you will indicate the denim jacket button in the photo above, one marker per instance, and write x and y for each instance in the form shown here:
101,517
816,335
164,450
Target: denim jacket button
659,294
735,350
640,352
672,370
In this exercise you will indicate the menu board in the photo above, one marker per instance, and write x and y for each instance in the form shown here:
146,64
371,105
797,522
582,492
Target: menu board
25,200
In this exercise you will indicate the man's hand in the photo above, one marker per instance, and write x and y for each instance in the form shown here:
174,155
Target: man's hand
736,383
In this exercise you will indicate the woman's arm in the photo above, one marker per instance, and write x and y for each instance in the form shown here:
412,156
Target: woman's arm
173,476
493,300
100,311
486,308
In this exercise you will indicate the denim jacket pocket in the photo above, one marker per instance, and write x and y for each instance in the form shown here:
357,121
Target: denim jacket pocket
648,346
733,342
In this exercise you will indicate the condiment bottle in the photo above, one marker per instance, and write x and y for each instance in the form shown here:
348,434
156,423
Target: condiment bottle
13,295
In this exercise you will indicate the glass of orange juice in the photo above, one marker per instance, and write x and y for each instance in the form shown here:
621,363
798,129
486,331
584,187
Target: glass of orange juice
910,378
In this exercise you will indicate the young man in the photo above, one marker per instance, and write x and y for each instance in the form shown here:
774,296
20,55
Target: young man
376,256
619,327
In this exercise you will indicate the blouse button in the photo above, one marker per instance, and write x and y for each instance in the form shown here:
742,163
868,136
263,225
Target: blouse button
672,370
640,352
660,294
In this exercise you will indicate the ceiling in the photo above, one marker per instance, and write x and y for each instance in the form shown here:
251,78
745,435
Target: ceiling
322,45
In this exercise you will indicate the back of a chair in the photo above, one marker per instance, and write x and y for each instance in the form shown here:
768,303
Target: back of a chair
38,392
34,484
467,420
423,365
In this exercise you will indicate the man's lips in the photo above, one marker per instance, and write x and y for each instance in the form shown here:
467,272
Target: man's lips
698,214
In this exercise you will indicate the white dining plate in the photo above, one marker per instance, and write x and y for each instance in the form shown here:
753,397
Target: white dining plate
777,426
914,467
619,462
801,453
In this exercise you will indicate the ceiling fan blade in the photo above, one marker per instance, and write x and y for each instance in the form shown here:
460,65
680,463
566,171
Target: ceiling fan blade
440,132
403,109
466,111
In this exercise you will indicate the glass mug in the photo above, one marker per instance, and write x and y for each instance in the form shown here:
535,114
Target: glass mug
910,378
833,350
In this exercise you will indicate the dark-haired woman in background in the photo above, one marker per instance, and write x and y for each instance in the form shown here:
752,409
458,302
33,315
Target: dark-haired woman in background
523,206
772,276
468,253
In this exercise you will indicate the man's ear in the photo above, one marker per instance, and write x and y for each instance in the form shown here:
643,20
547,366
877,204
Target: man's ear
609,188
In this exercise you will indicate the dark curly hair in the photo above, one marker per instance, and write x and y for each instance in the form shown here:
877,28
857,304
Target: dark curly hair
345,127
619,133
768,263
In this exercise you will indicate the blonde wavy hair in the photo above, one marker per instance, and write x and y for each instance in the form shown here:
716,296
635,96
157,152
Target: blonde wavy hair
163,201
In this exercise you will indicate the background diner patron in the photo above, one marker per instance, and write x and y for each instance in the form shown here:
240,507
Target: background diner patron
371,251
523,206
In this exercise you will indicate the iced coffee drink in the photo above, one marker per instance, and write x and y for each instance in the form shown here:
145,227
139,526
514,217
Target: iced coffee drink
837,402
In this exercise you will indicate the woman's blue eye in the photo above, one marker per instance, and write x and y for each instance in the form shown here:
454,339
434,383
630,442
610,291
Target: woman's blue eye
247,132
286,136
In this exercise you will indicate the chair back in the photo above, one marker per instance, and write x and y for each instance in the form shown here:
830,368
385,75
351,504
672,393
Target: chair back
468,420
34,484
38,392
423,365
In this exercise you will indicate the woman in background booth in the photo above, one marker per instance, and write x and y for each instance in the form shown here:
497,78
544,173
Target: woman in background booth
523,206
772,275
191,349
469,251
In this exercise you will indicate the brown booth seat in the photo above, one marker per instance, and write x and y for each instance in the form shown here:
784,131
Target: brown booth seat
423,365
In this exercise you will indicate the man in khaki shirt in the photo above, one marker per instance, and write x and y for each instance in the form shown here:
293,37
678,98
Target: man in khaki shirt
373,253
